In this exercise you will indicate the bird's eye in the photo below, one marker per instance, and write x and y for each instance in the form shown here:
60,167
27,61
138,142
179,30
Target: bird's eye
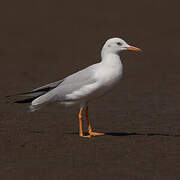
119,44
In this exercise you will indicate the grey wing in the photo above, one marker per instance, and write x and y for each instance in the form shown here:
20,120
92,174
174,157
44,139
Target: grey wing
37,92
70,84
47,87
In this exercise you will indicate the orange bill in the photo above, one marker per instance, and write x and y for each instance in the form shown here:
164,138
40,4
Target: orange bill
133,48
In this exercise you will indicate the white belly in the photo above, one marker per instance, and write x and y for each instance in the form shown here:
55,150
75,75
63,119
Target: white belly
106,78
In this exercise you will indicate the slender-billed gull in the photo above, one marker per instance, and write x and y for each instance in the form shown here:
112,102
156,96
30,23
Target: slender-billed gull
85,85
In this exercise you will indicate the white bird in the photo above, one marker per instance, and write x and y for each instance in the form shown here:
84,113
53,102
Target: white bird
85,85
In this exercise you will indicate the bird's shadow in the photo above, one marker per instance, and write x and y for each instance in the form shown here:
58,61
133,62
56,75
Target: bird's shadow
133,134
139,134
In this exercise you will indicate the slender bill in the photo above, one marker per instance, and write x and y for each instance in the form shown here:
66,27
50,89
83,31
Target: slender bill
133,48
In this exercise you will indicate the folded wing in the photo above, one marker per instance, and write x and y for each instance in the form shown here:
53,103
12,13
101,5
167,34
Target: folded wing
35,93
71,88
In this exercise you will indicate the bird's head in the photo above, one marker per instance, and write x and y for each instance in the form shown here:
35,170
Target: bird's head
116,45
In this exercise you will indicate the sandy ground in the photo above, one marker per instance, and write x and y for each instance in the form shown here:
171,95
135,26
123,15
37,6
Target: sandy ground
43,41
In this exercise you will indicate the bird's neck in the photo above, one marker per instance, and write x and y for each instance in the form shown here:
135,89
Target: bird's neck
111,59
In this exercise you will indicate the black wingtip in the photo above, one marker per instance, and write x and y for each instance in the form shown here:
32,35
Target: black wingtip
28,100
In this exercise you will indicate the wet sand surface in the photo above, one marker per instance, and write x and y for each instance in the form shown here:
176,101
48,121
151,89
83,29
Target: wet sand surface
44,41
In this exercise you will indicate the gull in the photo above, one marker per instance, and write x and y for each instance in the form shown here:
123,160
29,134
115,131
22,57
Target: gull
85,85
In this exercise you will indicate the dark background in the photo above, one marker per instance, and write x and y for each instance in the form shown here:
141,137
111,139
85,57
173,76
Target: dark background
42,41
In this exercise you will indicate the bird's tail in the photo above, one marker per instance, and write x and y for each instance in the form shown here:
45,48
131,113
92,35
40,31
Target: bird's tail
35,94
33,108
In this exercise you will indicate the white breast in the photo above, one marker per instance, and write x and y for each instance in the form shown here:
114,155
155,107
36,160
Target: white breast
110,72
107,75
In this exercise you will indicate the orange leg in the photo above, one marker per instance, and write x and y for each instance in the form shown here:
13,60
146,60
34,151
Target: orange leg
80,124
91,133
